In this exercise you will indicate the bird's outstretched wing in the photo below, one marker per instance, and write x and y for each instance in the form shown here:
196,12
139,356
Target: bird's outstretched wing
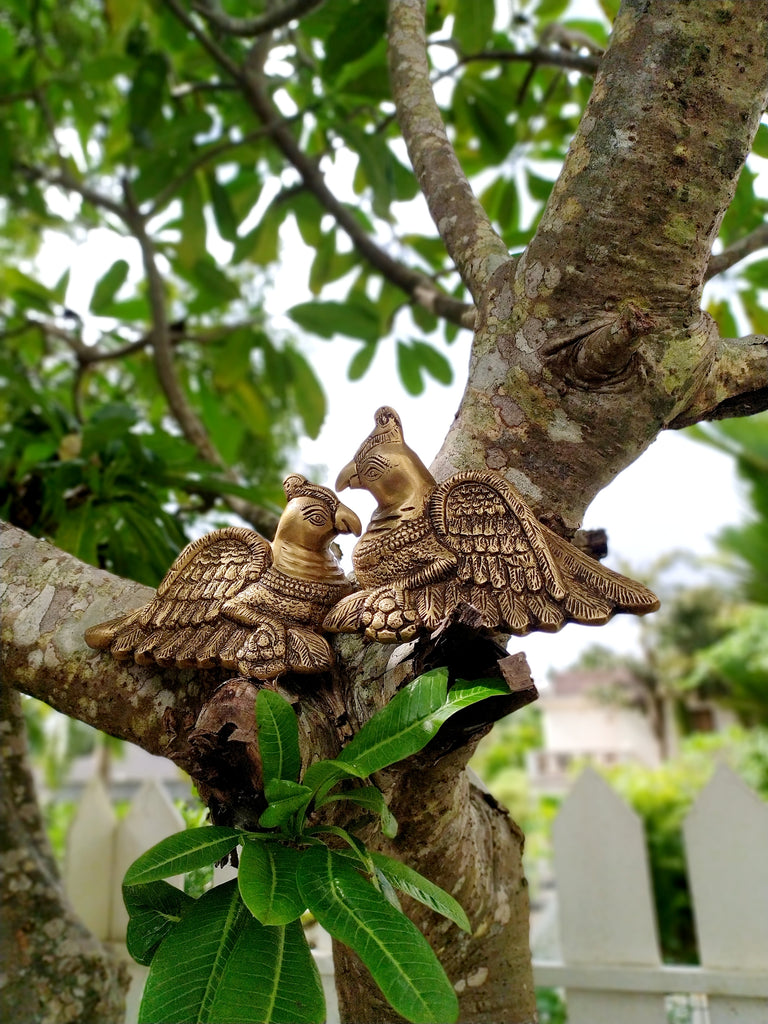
518,573
505,568
183,624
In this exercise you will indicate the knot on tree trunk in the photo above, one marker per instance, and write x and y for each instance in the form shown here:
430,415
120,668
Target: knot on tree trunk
603,352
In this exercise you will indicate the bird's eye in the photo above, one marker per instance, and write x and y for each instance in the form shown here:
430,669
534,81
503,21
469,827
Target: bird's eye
375,467
317,515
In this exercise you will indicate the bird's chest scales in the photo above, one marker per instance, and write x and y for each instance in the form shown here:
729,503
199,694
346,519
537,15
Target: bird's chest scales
381,554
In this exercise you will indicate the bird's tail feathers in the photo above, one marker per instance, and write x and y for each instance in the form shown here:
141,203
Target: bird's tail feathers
604,590
308,651
344,617
102,636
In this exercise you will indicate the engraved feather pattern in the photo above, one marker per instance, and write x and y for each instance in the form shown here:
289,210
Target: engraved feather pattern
471,539
224,601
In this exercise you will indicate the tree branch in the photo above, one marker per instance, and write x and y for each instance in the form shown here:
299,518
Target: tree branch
737,383
596,342
280,15
474,246
251,81
539,56
739,250
63,179
191,425
645,148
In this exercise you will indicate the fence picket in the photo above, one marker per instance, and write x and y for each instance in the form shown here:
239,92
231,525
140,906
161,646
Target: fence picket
150,818
87,873
605,903
726,841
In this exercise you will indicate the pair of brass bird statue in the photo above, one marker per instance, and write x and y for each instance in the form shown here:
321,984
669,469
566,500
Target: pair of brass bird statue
233,600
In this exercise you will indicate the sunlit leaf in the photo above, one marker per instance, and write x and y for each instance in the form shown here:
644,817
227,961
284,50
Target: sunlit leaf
183,851
409,721
404,878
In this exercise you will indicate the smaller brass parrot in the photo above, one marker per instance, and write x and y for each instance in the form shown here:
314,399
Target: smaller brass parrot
472,539
232,599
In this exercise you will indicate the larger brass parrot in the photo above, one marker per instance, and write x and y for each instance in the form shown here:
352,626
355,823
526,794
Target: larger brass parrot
234,600
470,539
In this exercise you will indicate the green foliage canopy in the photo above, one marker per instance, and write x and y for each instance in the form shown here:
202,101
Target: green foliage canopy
194,152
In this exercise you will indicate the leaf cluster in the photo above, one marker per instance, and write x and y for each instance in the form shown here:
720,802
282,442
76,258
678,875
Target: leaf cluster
242,944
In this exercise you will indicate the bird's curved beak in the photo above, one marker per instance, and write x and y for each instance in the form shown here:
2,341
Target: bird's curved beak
348,477
346,521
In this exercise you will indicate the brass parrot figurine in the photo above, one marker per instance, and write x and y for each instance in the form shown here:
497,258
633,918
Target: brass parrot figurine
232,599
470,539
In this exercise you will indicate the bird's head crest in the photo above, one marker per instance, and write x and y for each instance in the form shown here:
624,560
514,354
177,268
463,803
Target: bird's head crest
297,486
388,429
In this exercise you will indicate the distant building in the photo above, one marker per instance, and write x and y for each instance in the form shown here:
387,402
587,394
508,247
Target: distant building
606,716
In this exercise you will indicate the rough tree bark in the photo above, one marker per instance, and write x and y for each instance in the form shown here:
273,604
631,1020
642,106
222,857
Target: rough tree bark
586,347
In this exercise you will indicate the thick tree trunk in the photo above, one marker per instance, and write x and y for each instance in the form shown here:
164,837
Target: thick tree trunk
593,341
54,970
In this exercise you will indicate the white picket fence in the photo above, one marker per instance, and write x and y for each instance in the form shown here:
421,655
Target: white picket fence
100,848
610,965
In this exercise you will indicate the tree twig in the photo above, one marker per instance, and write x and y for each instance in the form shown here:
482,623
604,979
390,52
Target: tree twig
278,16
737,383
473,244
63,179
587,64
739,250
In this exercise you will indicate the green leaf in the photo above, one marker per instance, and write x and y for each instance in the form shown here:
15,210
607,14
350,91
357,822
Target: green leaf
153,911
226,219
760,145
184,851
409,369
434,362
286,799
550,10
353,36
278,732
372,799
722,314
145,97
413,716
756,273
361,361
473,24
310,397
76,533
356,318
262,244
420,888
270,977
322,776
187,969
395,952
267,880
